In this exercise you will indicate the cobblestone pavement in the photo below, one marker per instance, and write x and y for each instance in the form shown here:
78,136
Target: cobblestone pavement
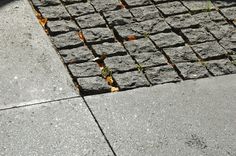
147,42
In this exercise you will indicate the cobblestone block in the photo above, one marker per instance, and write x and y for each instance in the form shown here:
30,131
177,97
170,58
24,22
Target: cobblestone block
229,13
80,9
96,35
182,21
45,2
164,74
57,11
221,29
233,58
225,3
229,43
93,85
140,46
208,50
120,63
181,54
76,55
199,5
118,17
111,49
73,1
90,21
129,80
145,13
221,67
163,40
105,5
160,1
198,35
67,40
172,8
192,70
134,3
86,69
62,26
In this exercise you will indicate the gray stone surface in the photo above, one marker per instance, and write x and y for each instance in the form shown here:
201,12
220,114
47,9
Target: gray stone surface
221,67
192,70
163,74
57,11
197,35
57,128
163,40
86,69
67,40
203,5
190,118
30,68
105,5
229,13
172,8
129,80
134,3
76,55
228,41
93,85
45,2
181,54
90,21
61,26
81,9
206,17
98,35
225,3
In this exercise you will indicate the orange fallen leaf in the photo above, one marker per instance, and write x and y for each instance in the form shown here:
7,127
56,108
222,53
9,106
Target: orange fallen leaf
114,89
131,37
109,80
42,21
81,36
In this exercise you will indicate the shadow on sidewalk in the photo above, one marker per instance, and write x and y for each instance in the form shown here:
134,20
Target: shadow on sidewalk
4,2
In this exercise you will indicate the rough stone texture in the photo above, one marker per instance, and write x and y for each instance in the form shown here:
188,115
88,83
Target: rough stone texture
208,50
86,69
163,40
198,35
81,9
164,74
198,5
65,127
229,13
145,13
225,3
133,3
70,39
182,21
229,41
120,63
111,49
45,2
233,58
181,54
97,35
61,26
93,85
91,20
105,5
76,55
140,46
57,11
131,80
172,8
118,17
192,70
221,67
205,17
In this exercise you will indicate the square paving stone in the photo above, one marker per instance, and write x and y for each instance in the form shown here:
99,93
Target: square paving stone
229,43
86,69
119,17
67,40
57,11
45,2
163,74
181,54
64,127
145,13
197,35
163,40
140,46
225,3
76,55
90,21
203,5
80,9
192,70
105,5
172,8
93,85
111,49
62,26
134,3
182,21
120,63
229,13
221,67
209,50
97,35
129,80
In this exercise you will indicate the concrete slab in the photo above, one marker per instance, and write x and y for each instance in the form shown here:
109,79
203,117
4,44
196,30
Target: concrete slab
57,128
30,69
189,118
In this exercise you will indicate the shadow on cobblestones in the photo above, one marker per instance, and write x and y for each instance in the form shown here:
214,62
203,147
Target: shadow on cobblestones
4,2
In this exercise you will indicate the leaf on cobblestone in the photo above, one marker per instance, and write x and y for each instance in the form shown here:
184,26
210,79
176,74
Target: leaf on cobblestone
106,72
114,89
131,37
42,21
81,36
109,80
122,4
